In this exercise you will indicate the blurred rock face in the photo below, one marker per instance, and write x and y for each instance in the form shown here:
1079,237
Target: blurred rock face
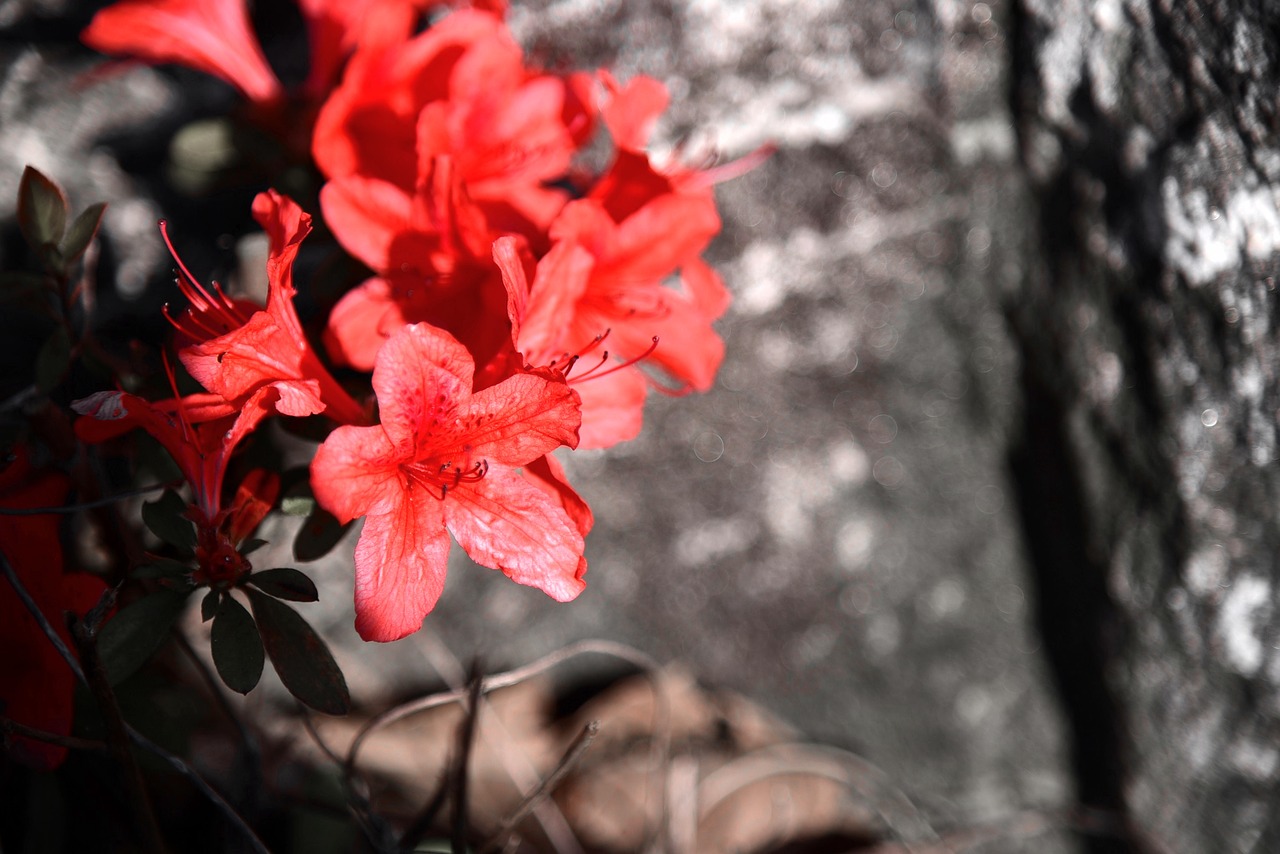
831,529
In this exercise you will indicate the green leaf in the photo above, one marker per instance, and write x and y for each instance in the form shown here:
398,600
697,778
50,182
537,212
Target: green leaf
236,647
297,505
134,634
53,360
164,519
161,568
248,547
82,231
42,210
285,583
318,535
209,605
305,665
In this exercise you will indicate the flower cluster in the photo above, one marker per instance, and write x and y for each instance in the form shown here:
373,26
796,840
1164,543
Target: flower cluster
518,301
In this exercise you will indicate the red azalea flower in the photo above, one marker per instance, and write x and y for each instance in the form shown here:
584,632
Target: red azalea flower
200,432
459,89
624,295
213,36
240,352
36,685
445,457
432,251
612,392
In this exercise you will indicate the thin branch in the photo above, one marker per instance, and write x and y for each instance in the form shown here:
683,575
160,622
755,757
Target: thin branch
466,742
11,727
374,828
456,779
199,782
493,683
138,798
252,753
514,760
85,505
839,766
553,780
426,816
661,725
45,626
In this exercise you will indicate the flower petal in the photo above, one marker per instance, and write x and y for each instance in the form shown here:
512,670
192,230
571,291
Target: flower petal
507,523
213,36
547,474
633,109
401,561
612,406
420,374
366,215
355,472
559,283
519,419
361,323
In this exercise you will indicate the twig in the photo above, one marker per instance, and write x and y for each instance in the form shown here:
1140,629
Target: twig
514,760
375,829
41,619
466,741
11,727
426,816
493,683
839,766
553,780
455,780
199,782
118,739
249,743
84,505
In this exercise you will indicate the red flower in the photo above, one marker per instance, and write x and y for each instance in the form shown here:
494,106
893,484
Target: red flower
612,393
459,89
445,458
36,685
213,36
623,293
432,251
240,352
199,431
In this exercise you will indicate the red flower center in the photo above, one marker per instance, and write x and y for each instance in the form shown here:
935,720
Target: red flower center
433,475
220,566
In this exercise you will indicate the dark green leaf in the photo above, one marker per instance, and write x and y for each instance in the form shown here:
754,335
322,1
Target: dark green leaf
285,583
82,231
297,505
42,210
209,605
161,568
53,360
236,647
318,535
164,518
248,547
305,665
134,634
